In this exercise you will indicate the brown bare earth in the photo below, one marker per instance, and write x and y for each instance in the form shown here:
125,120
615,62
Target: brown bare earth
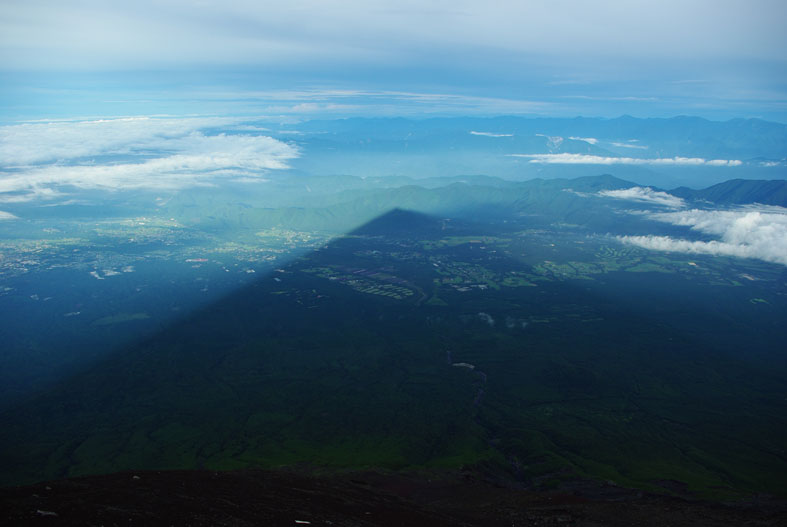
256,497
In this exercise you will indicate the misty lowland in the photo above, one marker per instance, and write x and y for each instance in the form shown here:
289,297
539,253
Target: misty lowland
393,263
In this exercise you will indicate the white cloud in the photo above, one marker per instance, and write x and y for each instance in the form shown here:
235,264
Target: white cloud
313,102
586,159
133,154
645,195
39,142
724,163
486,317
24,193
591,140
553,141
490,134
745,233
577,193
629,145
7,216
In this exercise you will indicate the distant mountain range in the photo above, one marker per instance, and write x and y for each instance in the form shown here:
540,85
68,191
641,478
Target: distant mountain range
353,201
739,192
677,136
662,152
341,203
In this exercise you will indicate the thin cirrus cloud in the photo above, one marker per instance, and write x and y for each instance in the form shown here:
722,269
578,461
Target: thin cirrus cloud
749,232
496,49
645,195
591,140
490,134
629,145
586,159
42,159
242,31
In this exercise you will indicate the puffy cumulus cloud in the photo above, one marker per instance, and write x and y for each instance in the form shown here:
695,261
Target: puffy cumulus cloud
645,195
44,159
587,159
7,216
746,233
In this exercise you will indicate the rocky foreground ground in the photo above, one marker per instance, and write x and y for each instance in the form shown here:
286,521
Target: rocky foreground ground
291,498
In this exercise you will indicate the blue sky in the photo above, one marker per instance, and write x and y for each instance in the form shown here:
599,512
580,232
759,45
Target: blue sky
714,58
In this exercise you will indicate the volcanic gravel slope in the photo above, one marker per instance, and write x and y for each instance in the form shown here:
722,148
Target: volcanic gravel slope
251,497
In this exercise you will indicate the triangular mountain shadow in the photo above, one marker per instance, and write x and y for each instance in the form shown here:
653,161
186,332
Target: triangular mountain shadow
372,352
402,223
281,371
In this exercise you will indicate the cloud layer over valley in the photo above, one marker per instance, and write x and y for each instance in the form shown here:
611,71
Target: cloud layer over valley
748,232
645,195
751,231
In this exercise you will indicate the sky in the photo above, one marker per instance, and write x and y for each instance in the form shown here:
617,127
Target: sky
718,59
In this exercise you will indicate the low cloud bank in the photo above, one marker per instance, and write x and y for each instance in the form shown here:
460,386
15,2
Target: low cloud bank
587,159
745,233
7,216
645,195
117,154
